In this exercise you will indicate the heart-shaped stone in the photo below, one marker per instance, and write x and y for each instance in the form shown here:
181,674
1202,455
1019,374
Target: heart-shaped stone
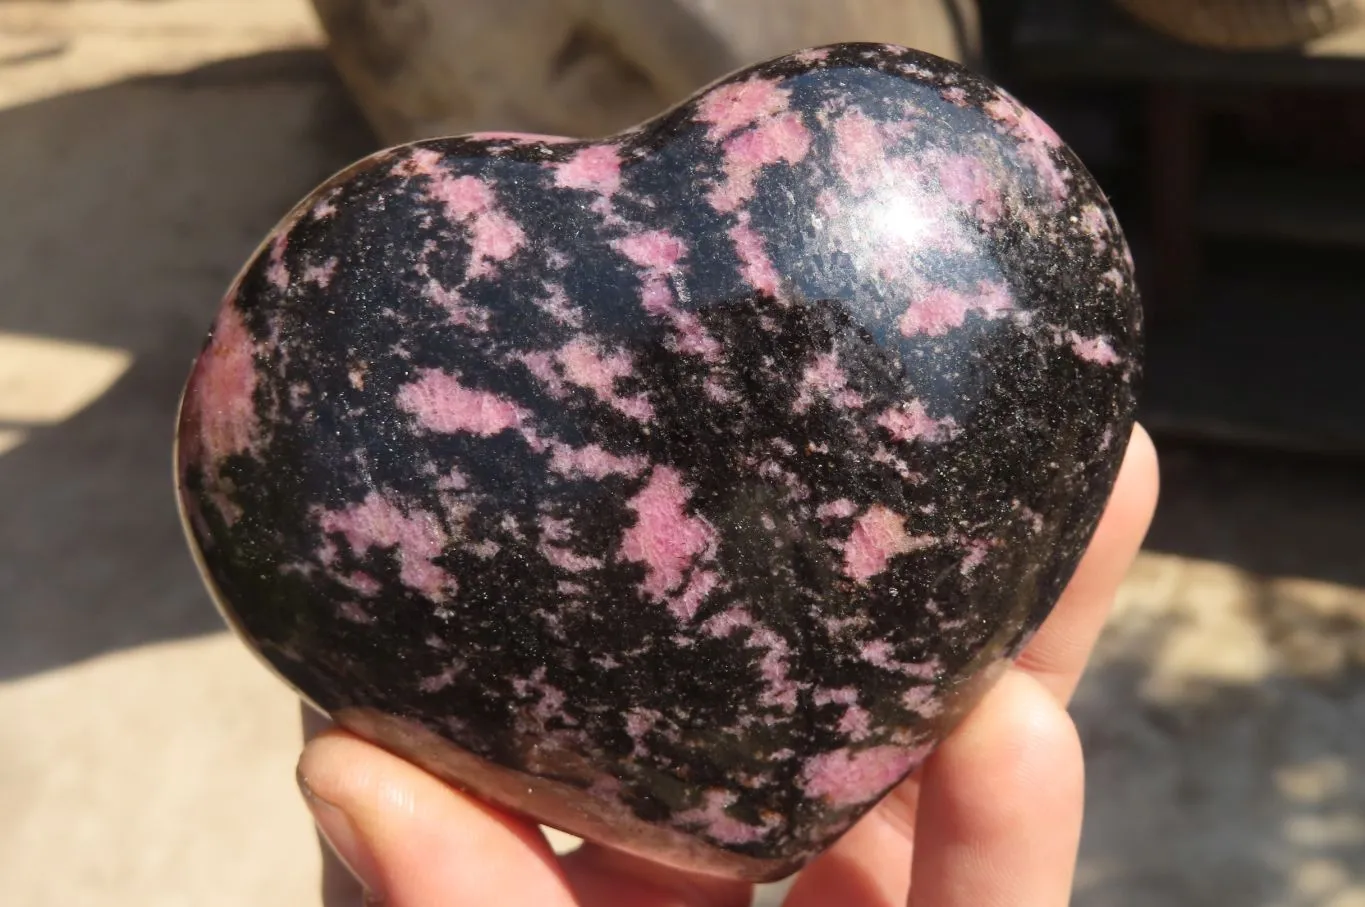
680,489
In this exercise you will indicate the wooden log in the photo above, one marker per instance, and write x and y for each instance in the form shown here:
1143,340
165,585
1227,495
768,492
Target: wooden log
1246,24
420,68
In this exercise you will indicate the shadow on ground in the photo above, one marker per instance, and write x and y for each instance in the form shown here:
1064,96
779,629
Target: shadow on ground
1213,791
139,201
1224,714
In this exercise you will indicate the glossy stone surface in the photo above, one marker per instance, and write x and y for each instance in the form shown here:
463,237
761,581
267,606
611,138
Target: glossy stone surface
682,489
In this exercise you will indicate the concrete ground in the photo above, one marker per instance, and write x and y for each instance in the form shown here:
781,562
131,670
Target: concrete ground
146,759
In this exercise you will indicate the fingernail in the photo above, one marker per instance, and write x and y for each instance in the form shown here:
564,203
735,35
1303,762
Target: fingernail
341,835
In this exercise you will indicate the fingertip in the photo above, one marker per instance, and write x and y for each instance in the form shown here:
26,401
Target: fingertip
1131,504
340,769
1001,804
1139,482
1018,738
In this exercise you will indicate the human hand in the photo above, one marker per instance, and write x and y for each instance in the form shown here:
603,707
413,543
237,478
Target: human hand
992,818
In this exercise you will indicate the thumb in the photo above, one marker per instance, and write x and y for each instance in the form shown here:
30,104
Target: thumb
414,841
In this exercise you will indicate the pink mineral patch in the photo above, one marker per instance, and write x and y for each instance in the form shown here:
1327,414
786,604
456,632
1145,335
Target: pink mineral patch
693,338
966,180
859,151
454,480
463,197
923,700
420,162
224,387
461,312
665,537
321,275
655,296
653,250
685,606
977,550
556,304
354,613
1021,122
781,690
568,560
754,265
440,403
841,696
541,365
824,378
361,582
740,104
549,698
911,422
485,549
1093,349
1096,224
878,536
716,391
438,682
1038,141
603,207
941,309
727,622
877,652
593,462
493,235
955,95
554,537
856,722
639,722
556,530
849,777
784,139
596,168
587,366
1053,178
841,509
276,271
883,454
719,826
415,536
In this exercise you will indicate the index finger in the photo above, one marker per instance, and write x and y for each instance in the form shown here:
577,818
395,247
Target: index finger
871,864
1057,654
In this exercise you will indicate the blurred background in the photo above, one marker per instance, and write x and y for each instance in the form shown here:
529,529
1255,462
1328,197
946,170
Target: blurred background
147,145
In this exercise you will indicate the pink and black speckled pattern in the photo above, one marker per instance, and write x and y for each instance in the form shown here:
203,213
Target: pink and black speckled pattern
722,454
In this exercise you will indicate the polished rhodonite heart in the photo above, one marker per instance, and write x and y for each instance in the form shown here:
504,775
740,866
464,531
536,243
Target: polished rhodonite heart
679,489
